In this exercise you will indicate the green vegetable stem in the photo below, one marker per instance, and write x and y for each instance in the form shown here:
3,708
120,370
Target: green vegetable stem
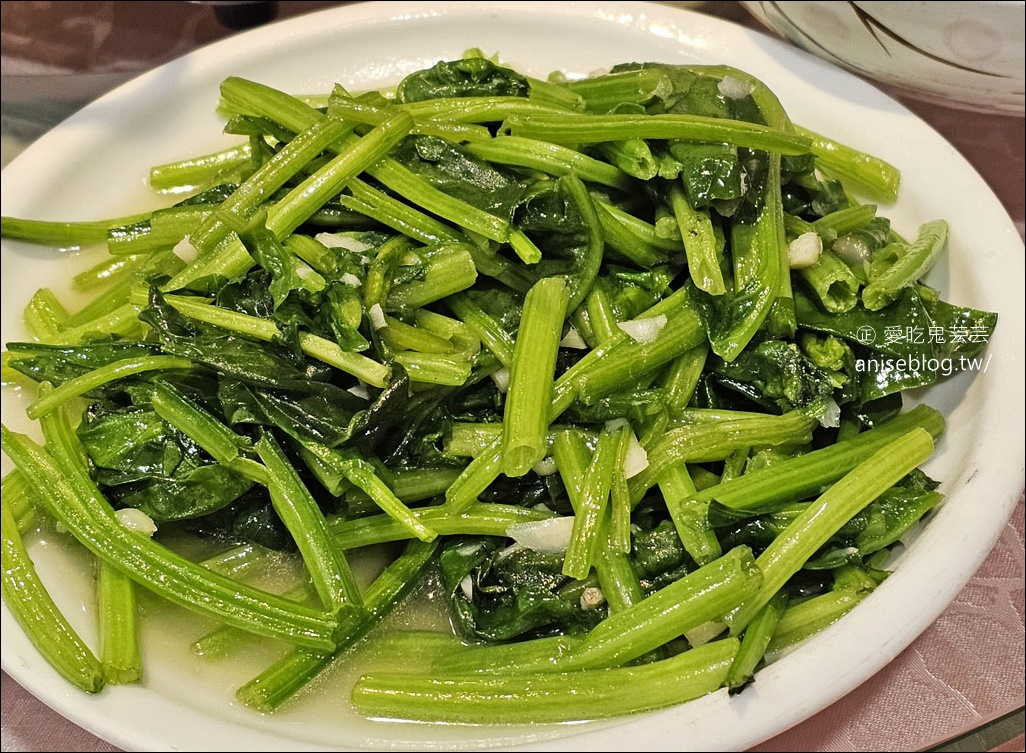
526,418
581,364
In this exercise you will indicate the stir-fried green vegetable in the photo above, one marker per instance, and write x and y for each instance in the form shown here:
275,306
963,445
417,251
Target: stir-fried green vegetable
619,361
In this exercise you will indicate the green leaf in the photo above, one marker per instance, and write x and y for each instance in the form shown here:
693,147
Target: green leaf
471,77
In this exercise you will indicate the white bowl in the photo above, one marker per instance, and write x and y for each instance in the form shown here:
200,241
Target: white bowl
965,55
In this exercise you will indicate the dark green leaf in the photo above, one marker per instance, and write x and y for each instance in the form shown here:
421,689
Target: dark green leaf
471,77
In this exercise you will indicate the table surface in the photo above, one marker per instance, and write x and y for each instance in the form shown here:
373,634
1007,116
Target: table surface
949,690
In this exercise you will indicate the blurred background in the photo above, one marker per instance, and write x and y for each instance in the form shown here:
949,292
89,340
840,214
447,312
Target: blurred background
56,57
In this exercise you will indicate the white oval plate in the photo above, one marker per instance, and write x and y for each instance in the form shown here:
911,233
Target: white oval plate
94,165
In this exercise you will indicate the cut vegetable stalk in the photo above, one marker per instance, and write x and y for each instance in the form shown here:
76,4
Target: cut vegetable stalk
875,176
199,424
832,283
93,379
550,158
703,595
690,517
533,655
590,512
754,642
361,474
231,259
120,653
34,610
479,519
820,520
803,620
620,584
73,500
367,369
475,478
526,417
68,235
715,441
199,172
547,697
578,128
285,678
298,510
624,365
915,262
619,533
795,478
271,176
393,213
699,243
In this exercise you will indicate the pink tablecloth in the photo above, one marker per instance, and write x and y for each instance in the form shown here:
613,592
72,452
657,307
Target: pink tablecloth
965,670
